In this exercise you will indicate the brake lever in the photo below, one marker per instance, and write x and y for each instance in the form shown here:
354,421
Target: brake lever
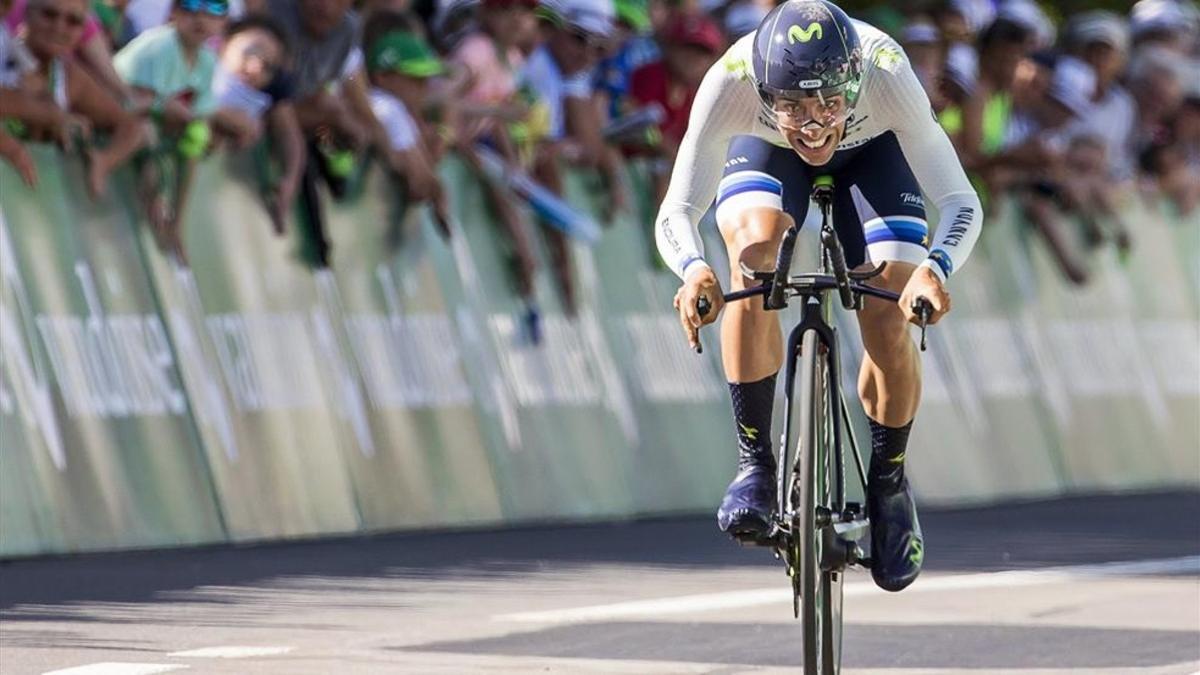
703,307
923,310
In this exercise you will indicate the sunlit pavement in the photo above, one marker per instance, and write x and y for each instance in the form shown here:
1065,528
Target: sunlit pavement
1085,585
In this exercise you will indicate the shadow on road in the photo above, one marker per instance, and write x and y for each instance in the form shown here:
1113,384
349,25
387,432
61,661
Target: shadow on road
868,646
1034,534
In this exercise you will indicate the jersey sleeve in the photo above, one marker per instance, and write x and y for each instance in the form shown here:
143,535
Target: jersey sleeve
935,164
725,106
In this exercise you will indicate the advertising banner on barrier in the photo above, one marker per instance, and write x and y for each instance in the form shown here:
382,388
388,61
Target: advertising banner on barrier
423,458
246,394
99,449
261,363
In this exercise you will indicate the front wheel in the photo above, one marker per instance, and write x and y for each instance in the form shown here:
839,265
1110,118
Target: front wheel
810,489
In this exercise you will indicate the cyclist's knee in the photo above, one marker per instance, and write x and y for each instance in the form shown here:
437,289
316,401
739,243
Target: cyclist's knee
752,237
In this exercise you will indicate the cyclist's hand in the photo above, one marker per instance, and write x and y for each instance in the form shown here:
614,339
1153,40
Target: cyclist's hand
924,283
702,283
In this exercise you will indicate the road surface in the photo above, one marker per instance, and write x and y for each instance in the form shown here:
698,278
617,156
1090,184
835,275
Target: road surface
1100,584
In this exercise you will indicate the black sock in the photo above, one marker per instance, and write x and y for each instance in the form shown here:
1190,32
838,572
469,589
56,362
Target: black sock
887,451
752,406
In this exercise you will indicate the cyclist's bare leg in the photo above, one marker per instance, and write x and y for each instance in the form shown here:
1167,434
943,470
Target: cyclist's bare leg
752,351
889,382
751,339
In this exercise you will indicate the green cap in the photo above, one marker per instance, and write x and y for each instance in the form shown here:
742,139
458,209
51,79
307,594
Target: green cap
405,53
634,14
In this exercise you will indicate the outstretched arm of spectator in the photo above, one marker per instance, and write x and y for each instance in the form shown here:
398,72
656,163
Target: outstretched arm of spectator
354,88
289,139
97,105
16,154
43,114
583,123
96,55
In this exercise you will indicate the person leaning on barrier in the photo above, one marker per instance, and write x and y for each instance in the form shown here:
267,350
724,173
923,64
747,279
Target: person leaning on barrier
170,69
54,27
253,79
400,65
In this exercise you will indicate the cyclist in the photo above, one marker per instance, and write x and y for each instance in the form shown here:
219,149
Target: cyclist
814,92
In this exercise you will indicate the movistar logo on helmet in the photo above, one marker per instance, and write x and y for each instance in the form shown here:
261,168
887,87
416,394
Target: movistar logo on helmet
798,34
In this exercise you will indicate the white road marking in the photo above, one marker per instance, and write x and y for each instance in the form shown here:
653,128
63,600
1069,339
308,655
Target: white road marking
119,668
766,596
231,652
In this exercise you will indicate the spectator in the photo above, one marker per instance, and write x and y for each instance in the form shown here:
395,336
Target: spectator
962,20
742,18
985,115
331,100
171,69
1167,24
400,64
1101,40
560,73
91,48
111,15
926,52
1156,84
491,61
636,47
691,43
452,21
1037,143
957,83
53,30
324,35
251,80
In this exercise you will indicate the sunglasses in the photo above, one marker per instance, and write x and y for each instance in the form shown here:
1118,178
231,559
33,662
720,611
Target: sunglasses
53,14
213,7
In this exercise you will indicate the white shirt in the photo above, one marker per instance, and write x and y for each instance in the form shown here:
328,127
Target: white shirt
542,73
391,113
891,99
231,92
1112,118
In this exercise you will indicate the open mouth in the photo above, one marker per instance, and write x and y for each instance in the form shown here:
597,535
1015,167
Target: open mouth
813,147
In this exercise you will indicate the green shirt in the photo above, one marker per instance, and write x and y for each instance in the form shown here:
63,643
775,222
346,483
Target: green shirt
154,60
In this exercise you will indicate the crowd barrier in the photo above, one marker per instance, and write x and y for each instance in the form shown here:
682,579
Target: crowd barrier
249,395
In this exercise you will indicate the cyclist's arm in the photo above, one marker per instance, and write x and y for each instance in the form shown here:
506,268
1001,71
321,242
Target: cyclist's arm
939,172
725,105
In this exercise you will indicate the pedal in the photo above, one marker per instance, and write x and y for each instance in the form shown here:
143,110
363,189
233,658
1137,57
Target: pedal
755,539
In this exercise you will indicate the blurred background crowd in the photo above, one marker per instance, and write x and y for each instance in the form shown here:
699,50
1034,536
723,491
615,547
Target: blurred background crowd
1068,112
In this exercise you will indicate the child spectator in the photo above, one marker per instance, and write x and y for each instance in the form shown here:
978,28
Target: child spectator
691,43
400,64
250,80
53,29
171,68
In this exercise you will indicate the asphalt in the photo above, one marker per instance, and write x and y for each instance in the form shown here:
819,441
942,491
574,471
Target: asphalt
1094,584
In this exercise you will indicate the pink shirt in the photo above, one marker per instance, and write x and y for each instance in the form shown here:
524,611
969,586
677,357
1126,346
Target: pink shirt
15,20
495,80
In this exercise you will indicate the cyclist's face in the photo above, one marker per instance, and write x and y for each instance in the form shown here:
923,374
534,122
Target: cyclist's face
812,126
